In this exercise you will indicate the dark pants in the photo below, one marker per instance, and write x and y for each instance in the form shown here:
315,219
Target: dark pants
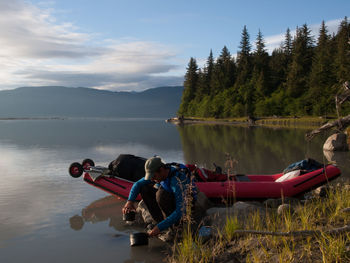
159,202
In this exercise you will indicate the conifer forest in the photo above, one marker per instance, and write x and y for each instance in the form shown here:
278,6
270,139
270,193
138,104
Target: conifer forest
300,78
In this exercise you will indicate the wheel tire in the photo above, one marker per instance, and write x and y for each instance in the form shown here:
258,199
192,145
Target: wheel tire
87,163
76,170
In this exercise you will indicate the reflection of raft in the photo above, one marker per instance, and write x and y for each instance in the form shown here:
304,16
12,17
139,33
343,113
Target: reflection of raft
243,187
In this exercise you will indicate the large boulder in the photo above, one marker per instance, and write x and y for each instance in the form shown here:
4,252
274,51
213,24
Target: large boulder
336,157
336,142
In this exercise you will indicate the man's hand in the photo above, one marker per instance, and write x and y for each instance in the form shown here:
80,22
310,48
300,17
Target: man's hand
154,232
129,206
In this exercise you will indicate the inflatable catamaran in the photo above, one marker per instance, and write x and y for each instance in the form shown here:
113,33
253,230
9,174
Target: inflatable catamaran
237,187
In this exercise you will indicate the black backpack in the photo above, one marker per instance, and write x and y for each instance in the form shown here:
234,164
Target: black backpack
128,166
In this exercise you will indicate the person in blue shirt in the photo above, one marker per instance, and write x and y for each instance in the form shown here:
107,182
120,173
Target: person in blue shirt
166,204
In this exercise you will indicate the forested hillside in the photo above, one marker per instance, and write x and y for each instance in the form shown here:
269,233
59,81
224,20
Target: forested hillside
301,77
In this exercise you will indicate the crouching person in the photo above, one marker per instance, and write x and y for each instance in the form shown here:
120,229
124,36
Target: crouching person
167,203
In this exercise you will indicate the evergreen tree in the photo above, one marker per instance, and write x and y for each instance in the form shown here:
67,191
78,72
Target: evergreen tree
287,50
261,68
322,78
278,67
190,86
298,75
244,67
287,45
224,72
242,87
342,59
208,72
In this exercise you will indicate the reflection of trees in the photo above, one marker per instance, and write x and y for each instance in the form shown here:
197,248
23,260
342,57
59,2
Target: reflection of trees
257,149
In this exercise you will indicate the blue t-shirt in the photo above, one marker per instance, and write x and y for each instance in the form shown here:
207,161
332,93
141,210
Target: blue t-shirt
177,183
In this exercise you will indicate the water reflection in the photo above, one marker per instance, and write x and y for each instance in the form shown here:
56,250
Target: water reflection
104,209
87,133
257,149
109,208
44,216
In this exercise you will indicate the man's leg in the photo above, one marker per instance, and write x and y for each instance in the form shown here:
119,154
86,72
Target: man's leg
166,201
148,194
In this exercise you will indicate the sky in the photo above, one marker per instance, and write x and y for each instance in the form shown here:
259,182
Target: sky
133,45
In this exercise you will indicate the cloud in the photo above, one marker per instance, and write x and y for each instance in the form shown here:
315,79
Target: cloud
27,31
109,80
275,41
36,50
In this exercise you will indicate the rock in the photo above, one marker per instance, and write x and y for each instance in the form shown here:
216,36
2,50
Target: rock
203,202
322,191
167,236
285,208
336,157
345,210
241,210
336,142
275,203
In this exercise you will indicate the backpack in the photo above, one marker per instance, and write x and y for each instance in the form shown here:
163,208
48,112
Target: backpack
128,166
183,169
307,164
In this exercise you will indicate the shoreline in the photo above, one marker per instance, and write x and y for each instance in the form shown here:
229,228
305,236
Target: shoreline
274,121
30,118
311,229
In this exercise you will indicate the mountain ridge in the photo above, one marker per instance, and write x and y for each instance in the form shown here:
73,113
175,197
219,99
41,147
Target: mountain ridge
59,101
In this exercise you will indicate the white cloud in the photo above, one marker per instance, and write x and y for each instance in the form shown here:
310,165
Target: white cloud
275,41
36,50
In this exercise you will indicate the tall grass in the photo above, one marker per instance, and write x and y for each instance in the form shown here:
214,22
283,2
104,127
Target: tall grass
320,214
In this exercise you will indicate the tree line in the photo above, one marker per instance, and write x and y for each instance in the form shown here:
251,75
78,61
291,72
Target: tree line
301,77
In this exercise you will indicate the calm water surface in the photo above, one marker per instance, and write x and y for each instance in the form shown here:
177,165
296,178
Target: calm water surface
47,216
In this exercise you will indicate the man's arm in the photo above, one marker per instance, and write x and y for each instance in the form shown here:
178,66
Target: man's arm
135,190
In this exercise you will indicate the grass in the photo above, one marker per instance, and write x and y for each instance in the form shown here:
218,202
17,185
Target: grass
320,214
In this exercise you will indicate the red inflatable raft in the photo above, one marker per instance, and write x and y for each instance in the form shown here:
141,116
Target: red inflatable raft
238,187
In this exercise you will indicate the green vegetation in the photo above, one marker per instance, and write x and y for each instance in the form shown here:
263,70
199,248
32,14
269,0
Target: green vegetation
320,244
301,77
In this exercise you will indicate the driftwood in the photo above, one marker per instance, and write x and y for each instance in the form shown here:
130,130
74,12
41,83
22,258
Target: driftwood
339,124
342,96
335,231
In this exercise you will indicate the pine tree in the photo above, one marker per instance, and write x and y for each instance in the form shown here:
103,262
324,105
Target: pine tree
287,45
342,59
208,72
278,67
261,68
322,78
302,51
298,78
224,72
244,66
190,86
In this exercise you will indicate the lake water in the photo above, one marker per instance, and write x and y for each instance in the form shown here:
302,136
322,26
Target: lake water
47,216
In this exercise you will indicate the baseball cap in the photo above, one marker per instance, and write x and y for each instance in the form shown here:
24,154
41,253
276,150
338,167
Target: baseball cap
151,166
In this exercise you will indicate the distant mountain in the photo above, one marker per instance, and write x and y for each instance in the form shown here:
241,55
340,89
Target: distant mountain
52,101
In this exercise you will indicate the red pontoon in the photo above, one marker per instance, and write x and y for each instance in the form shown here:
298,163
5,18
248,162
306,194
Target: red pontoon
238,187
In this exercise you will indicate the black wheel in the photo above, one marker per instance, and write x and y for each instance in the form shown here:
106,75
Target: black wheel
76,170
87,163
